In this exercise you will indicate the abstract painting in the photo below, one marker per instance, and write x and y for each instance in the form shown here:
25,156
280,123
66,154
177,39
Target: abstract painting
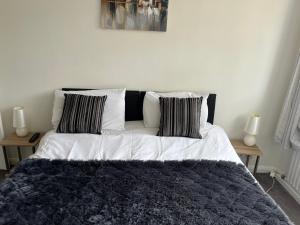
146,15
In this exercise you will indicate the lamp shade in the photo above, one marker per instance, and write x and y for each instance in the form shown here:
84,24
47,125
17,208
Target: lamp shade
18,117
252,125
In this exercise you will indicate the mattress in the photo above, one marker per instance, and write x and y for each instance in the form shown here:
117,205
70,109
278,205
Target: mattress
135,177
137,143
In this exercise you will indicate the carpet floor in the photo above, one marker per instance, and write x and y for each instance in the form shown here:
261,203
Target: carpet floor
281,196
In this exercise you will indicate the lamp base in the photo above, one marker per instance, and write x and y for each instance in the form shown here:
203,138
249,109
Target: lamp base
21,132
249,140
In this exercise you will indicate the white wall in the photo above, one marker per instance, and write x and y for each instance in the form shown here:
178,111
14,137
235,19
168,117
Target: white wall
242,50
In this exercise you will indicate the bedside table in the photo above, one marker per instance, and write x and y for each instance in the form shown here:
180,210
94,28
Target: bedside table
243,149
15,141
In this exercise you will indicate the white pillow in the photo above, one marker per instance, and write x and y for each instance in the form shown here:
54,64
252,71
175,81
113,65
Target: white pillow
151,109
114,109
204,107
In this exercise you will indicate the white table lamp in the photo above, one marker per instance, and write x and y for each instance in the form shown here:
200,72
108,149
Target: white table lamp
19,121
251,130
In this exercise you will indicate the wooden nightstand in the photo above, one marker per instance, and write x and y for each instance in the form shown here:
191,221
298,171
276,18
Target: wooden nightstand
243,149
15,141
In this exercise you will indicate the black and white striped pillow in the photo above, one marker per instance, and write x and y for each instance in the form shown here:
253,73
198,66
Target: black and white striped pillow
180,117
82,114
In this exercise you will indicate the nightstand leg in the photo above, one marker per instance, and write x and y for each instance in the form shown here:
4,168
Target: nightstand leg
19,154
256,165
247,160
33,149
5,158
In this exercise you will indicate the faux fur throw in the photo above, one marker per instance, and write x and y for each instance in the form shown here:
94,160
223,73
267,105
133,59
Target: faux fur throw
134,192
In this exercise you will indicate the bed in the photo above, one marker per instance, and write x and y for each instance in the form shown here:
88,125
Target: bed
135,177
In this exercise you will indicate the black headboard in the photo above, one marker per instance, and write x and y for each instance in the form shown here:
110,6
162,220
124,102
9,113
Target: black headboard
134,104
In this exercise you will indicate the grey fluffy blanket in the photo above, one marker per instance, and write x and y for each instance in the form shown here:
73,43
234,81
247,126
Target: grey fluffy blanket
134,192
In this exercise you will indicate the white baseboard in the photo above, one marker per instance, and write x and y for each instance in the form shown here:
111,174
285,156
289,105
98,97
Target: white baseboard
289,189
262,169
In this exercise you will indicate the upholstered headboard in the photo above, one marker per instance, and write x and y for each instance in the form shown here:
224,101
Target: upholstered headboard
134,104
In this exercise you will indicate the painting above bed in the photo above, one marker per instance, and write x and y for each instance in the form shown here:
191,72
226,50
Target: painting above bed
146,15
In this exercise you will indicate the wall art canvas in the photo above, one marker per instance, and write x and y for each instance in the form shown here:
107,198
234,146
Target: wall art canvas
145,15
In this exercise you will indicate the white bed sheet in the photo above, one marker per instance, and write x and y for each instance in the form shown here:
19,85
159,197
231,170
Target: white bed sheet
137,143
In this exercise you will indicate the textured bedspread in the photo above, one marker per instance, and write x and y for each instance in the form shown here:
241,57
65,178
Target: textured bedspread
134,192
